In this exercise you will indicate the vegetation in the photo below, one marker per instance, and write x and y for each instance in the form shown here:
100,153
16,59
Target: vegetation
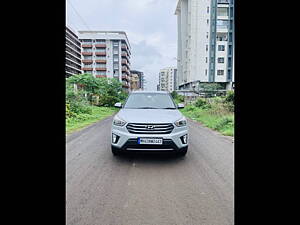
177,98
89,99
84,119
216,113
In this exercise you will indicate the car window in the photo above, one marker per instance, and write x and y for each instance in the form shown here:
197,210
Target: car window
150,100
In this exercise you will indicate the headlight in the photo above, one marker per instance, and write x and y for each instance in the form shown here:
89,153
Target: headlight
181,122
118,122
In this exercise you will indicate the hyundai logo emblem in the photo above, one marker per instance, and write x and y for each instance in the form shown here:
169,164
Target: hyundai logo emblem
150,127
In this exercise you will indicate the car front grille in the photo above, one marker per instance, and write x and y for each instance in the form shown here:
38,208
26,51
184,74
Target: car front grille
146,128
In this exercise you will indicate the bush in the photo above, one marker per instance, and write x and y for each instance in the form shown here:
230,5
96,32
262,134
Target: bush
230,106
223,123
229,97
80,107
190,108
200,103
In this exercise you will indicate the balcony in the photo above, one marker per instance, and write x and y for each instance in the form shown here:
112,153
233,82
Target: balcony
87,53
100,68
87,68
100,75
124,61
86,45
100,45
100,53
125,77
124,54
100,61
125,85
124,69
87,61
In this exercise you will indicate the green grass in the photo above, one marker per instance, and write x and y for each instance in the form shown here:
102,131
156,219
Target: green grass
84,120
215,118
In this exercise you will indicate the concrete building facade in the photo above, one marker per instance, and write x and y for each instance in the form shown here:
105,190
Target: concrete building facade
136,80
72,53
106,54
205,42
167,79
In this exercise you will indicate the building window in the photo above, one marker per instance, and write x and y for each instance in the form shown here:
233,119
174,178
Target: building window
222,11
221,60
100,41
221,37
229,49
207,21
205,72
116,66
220,72
222,24
221,47
206,47
116,72
207,9
206,59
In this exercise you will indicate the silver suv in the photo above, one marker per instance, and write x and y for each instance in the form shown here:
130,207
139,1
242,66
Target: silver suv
149,121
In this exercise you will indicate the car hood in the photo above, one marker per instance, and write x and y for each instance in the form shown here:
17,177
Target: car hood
149,115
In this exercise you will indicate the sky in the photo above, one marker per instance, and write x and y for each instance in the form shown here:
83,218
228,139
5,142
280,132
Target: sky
150,25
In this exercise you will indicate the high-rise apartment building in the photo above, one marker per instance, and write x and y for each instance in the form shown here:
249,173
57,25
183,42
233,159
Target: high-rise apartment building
205,42
106,54
137,76
167,77
72,53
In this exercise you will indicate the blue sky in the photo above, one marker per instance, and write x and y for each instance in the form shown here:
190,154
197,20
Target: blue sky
151,28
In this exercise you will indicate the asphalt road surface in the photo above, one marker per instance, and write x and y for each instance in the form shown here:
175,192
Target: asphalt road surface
149,189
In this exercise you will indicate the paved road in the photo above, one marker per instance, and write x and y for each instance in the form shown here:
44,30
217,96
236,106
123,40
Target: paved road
149,189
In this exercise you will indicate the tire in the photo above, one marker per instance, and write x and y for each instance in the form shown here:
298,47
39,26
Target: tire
115,151
182,152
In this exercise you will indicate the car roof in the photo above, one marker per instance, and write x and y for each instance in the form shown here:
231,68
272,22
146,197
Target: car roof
150,92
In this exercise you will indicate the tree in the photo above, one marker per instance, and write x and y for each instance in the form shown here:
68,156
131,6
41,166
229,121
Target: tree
106,91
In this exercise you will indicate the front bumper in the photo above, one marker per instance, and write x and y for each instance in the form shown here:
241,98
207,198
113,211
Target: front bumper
128,141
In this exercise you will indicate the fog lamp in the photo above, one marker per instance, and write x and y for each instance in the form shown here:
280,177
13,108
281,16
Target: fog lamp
115,138
184,139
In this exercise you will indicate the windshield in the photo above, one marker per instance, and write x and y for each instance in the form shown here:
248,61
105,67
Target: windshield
149,101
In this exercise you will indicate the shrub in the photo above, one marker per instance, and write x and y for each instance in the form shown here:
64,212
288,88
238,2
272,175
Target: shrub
222,123
200,102
190,108
80,107
230,106
229,96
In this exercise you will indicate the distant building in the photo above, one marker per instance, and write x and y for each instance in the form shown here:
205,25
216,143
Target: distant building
138,77
72,53
205,43
167,78
106,54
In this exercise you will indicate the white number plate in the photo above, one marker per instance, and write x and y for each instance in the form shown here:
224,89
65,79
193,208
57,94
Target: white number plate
150,141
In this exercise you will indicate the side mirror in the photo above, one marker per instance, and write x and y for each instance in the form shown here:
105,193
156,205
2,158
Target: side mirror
180,106
118,105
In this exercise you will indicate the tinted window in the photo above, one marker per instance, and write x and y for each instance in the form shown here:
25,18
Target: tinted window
149,100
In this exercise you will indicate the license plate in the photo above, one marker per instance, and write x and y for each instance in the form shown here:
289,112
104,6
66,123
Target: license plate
150,141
